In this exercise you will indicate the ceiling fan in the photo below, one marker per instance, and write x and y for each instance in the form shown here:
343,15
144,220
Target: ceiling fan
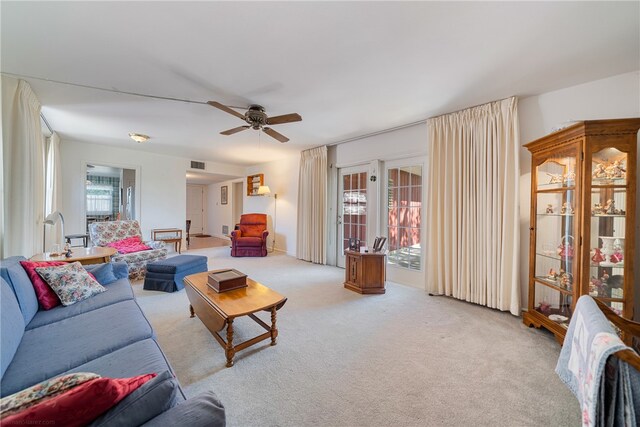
257,119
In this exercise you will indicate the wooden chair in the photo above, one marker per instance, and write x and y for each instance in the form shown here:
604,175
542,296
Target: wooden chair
188,228
630,334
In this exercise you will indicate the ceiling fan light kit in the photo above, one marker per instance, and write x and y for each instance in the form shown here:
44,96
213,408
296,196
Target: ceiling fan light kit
257,119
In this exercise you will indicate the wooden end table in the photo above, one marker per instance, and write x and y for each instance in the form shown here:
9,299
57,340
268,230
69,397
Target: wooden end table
168,235
218,310
85,256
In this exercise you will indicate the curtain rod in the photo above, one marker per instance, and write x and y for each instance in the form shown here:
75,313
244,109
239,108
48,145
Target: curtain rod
46,123
380,132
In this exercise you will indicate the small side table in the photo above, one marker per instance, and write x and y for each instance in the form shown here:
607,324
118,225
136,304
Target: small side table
365,273
84,237
168,235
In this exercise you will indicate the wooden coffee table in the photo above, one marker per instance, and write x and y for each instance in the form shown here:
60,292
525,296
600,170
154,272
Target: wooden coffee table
218,310
93,255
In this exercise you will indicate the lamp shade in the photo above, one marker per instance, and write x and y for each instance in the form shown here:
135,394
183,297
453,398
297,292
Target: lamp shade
263,190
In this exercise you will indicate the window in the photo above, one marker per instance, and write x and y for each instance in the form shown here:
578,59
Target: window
99,199
404,202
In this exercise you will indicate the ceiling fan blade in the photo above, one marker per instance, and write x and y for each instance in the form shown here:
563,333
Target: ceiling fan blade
235,130
273,134
226,109
285,118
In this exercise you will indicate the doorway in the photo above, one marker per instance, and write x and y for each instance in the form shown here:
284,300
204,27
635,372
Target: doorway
195,209
237,202
110,193
352,208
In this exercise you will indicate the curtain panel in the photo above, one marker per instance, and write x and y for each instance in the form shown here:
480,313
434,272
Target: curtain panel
23,175
53,185
473,243
312,205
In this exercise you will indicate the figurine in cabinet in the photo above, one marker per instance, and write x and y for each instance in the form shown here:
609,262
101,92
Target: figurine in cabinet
598,209
566,209
544,308
549,208
566,279
552,275
571,176
617,257
599,172
615,170
598,256
555,178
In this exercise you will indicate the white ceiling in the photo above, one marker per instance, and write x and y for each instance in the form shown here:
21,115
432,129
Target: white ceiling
349,68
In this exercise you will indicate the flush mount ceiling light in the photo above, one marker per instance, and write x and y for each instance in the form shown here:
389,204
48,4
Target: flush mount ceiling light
138,137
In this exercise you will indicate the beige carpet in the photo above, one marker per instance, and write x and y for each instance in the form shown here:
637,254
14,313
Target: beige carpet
343,359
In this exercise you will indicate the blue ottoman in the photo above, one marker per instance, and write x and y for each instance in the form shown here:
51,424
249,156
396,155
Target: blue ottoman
166,275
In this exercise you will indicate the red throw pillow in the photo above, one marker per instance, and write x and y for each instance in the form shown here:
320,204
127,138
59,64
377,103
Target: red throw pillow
80,405
46,297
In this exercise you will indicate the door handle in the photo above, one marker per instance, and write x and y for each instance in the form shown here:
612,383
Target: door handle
339,220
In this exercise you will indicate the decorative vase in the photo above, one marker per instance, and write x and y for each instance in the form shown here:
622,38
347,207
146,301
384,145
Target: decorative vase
610,246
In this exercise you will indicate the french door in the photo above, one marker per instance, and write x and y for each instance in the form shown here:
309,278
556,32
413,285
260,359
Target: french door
352,208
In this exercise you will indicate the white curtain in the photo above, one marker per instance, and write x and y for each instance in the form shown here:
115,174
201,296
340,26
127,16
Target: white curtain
473,243
312,205
53,184
23,162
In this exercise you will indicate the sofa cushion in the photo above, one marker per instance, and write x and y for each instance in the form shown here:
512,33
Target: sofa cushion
11,325
117,291
81,404
141,356
147,402
177,263
203,410
47,298
249,241
70,282
103,273
14,274
58,347
120,269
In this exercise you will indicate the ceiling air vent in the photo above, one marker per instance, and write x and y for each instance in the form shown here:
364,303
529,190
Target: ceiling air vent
197,165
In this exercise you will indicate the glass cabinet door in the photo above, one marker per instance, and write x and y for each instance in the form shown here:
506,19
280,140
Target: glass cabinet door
556,229
608,211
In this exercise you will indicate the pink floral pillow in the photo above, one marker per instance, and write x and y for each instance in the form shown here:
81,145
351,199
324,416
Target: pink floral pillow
129,245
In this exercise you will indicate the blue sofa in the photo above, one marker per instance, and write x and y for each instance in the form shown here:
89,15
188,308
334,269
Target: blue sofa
106,334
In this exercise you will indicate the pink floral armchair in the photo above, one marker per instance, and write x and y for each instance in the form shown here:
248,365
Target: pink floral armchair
103,233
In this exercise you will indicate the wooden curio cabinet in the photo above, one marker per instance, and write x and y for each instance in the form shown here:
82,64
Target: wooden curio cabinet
583,204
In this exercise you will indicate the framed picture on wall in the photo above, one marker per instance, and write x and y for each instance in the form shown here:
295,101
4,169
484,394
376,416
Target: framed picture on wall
224,191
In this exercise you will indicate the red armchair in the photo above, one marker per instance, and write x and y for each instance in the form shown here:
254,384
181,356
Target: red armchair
251,238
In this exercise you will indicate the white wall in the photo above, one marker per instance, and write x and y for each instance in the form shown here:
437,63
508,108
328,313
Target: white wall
611,98
219,214
282,178
161,183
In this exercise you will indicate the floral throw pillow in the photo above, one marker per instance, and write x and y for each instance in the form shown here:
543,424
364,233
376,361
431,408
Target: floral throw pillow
70,282
45,390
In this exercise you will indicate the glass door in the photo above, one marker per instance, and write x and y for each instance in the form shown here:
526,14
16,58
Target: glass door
352,218
607,227
556,263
